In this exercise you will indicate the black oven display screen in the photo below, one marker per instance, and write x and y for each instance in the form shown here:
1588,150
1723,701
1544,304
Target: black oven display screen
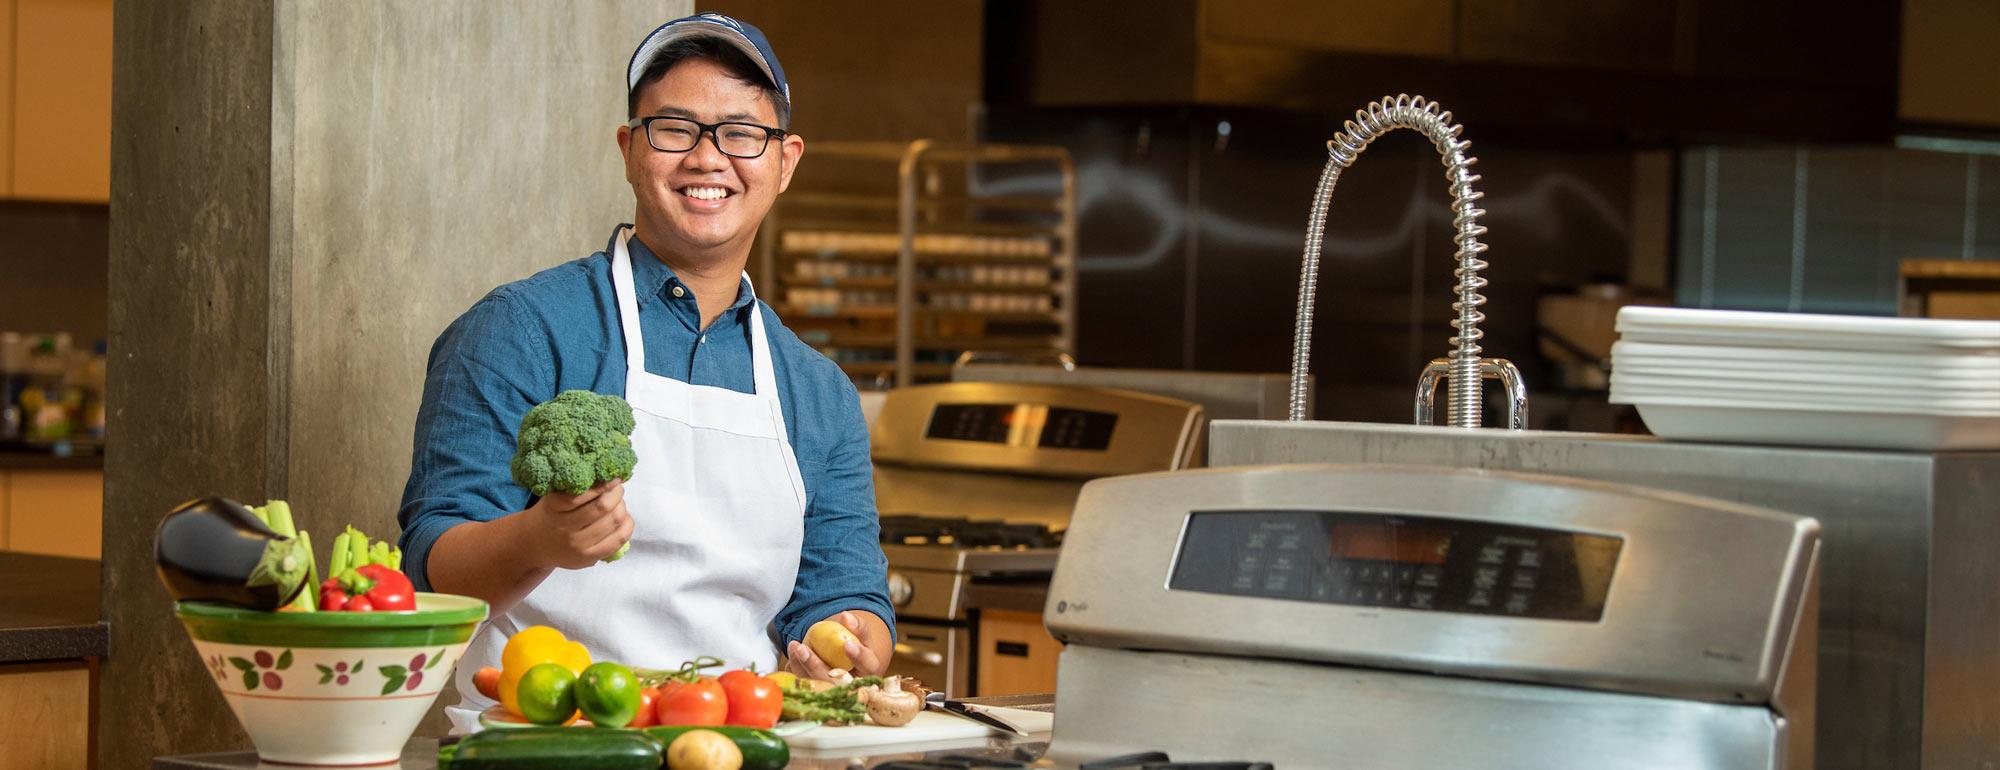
1077,429
1404,562
989,423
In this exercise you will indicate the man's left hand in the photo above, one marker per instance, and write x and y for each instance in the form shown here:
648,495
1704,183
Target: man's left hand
870,655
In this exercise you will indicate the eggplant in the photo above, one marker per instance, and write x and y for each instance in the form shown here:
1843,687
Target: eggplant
216,550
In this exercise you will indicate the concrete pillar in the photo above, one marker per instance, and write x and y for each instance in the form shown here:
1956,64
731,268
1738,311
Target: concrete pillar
304,193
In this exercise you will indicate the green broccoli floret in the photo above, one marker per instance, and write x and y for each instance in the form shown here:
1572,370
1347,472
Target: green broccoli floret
574,441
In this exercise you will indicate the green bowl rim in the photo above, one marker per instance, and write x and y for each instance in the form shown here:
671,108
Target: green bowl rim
464,609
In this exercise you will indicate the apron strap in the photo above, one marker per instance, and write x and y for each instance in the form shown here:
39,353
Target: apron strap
628,306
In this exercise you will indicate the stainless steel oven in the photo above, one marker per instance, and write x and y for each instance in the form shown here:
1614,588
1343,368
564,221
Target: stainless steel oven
975,483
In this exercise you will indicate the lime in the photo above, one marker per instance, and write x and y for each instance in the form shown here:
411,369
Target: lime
608,694
548,694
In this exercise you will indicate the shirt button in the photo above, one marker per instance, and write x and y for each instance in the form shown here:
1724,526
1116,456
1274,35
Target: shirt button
680,292
703,340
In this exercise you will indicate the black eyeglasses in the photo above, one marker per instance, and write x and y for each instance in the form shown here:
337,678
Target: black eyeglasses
737,140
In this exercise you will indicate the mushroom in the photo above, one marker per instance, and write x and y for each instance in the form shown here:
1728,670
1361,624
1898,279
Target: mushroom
892,706
840,677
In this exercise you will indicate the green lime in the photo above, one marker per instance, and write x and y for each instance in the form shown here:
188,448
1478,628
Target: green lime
608,694
548,694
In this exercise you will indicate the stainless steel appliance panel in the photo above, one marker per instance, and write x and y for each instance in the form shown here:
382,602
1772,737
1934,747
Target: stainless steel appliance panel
1222,395
1683,616
1907,665
1361,719
1149,432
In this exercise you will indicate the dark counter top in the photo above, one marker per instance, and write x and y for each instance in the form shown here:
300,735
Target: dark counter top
49,609
421,754
17,459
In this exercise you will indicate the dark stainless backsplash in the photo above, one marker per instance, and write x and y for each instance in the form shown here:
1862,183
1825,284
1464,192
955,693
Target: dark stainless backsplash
1192,224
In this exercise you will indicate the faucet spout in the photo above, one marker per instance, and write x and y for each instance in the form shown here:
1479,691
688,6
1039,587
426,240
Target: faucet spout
1465,367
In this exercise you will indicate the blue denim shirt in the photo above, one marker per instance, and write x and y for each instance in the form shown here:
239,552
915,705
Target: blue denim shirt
558,330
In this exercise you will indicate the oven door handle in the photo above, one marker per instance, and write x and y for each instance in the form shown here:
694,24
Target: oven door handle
927,657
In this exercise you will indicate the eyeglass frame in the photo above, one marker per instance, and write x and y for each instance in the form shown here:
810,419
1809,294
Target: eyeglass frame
645,123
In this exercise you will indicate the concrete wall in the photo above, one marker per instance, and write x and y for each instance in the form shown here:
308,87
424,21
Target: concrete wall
304,194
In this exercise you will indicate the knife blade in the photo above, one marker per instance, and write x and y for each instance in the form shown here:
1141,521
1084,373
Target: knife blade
938,702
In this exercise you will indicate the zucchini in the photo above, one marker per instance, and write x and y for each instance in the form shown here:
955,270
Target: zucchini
555,748
762,749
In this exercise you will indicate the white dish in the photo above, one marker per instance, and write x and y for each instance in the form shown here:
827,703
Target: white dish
1967,360
1697,421
1790,390
1744,327
1877,379
1727,368
1630,394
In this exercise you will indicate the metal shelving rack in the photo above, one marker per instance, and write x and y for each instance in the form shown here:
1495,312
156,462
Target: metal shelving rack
896,259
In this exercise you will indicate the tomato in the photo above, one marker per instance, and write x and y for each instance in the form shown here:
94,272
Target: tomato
548,694
753,700
647,716
698,703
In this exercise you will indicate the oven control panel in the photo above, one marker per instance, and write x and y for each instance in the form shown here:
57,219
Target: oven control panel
1035,430
1405,562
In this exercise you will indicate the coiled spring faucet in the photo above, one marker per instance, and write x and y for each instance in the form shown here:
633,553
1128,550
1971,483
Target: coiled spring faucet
1465,368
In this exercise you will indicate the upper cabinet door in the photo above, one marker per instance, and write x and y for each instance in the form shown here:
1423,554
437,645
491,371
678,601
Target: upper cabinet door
6,98
62,100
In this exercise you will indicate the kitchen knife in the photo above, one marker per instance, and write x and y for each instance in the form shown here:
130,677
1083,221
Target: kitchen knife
937,701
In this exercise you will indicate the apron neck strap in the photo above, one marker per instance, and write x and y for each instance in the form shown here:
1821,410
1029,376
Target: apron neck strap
763,374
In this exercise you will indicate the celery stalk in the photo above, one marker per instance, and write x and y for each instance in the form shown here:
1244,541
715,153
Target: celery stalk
279,516
337,562
308,600
357,548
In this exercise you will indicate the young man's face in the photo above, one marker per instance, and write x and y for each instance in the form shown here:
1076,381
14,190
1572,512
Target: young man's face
701,205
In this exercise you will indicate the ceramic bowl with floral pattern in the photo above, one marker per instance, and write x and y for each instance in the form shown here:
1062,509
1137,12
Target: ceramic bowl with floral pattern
332,688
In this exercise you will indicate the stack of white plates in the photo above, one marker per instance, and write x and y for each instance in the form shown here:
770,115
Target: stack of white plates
1817,380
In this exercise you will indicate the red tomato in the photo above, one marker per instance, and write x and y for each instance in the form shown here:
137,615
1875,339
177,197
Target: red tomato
753,700
701,704
649,699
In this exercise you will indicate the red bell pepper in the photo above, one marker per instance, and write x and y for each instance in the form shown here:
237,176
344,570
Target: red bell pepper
368,588
391,590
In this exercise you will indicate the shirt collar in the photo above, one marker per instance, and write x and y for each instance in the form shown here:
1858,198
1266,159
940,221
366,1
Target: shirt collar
653,278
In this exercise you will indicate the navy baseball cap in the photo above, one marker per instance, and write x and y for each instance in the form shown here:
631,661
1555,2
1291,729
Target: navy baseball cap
743,36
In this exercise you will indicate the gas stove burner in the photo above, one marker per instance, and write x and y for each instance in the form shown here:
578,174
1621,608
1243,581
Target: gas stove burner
1158,760
915,529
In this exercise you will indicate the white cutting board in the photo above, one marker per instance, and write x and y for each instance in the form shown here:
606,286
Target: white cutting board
928,726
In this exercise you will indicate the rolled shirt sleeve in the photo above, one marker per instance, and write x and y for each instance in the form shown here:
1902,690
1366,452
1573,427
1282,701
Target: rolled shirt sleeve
841,566
486,371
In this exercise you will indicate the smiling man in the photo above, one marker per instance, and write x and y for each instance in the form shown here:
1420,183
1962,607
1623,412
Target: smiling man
751,513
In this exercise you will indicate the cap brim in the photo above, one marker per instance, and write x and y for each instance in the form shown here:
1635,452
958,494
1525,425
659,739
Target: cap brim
685,30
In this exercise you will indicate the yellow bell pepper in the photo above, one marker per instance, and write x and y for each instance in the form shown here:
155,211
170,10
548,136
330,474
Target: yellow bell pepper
531,647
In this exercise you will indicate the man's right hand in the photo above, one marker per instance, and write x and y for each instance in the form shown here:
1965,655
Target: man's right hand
576,531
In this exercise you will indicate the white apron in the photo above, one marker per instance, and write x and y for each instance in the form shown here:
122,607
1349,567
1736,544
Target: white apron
718,512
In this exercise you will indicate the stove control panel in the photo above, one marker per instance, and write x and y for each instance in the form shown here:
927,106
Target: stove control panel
1035,430
1405,562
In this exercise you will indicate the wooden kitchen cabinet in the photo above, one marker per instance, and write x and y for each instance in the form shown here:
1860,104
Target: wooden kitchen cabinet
61,100
58,512
6,98
48,715
1017,656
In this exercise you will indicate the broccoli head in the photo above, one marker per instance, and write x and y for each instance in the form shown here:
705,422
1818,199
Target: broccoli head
574,441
